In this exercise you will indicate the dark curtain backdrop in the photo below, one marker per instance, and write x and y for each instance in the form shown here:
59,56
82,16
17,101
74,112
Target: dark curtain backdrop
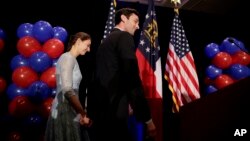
201,29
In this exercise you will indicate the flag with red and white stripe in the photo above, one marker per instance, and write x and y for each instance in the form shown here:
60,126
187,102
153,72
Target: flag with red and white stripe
180,70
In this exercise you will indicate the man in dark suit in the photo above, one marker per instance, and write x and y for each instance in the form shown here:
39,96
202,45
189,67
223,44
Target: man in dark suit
117,84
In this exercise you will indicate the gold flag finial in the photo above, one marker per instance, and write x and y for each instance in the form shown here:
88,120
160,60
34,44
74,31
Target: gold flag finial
176,2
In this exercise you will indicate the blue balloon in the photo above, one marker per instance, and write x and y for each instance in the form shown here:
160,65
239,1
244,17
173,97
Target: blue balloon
40,61
53,93
25,29
38,91
228,45
60,33
13,91
54,62
33,120
241,45
238,71
2,34
212,71
211,50
43,31
210,89
19,61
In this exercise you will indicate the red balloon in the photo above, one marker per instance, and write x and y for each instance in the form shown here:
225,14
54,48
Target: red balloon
241,57
27,45
53,47
49,77
15,136
23,76
46,107
1,44
222,60
20,106
2,84
208,81
41,137
223,81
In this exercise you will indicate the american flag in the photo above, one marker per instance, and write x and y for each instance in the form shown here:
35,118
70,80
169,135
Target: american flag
110,23
149,61
180,68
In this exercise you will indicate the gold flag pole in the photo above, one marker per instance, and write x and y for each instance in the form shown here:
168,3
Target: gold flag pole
115,3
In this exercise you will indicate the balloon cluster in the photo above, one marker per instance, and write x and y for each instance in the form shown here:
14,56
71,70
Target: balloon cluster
2,80
33,79
2,37
229,63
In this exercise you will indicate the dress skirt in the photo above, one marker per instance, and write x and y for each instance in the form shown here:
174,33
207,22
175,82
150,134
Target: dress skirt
65,125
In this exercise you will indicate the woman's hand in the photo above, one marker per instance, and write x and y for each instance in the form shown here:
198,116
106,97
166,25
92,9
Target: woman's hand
85,121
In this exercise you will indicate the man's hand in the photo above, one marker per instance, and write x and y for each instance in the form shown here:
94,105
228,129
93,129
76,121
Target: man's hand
151,129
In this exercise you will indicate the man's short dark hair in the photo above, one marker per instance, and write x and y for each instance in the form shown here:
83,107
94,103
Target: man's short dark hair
124,11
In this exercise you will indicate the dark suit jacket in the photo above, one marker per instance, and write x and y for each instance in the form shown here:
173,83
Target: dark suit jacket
116,81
